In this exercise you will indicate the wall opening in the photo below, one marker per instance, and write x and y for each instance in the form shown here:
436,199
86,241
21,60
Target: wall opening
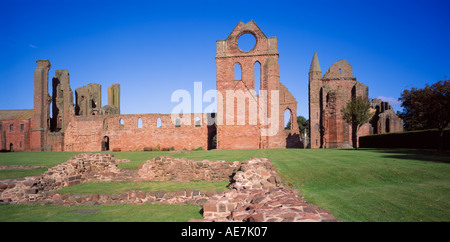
105,143
257,77
140,123
121,123
11,147
287,119
177,122
388,126
237,72
212,142
212,135
198,122
158,123
246,42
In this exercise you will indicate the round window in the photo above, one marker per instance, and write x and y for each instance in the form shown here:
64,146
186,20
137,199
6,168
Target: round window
246,42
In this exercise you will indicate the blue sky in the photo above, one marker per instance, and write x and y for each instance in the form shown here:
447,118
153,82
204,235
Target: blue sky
152,48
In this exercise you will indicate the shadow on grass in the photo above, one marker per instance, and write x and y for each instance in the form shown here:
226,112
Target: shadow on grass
413,154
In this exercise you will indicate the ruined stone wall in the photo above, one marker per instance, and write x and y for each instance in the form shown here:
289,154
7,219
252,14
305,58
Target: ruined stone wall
41,118
55,141
18,138
62,101
135,132
78,169
238,128
102,167
328,95
257,193
83,134
184,170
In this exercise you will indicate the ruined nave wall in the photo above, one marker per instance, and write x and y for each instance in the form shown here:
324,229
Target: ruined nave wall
135,132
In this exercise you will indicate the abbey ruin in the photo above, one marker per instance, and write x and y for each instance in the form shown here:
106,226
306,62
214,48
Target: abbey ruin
250,112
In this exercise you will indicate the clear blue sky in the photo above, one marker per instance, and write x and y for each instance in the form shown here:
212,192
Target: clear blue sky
152,48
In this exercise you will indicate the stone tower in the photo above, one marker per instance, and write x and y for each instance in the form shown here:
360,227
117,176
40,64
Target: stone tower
41,117
114,96
88,99
314,102
62,101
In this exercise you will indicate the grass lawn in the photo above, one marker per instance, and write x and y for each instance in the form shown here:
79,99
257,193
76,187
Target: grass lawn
47,159
354,185
107,213
119,187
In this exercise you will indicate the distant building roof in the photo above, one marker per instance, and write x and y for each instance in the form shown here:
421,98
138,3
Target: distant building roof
18,114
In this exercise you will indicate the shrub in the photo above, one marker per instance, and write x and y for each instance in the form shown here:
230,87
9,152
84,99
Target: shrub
421,139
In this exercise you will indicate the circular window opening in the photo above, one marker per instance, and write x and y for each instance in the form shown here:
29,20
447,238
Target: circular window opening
246,42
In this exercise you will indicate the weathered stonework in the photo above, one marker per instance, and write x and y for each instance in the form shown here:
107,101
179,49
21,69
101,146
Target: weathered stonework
257,193
184,170
242,115
80,168
328,94
250,110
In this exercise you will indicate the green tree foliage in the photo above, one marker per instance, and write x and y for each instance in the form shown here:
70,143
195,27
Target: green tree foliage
303,125
427,108
356,113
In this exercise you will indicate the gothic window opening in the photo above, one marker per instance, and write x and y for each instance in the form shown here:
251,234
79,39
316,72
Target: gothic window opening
198,122
257,77
140,123
158,123
237,72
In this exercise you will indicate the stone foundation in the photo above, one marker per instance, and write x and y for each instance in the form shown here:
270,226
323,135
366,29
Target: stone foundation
183,170
257,193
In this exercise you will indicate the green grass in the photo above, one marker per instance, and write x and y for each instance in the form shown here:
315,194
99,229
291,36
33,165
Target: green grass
354,185
370,185
47,159
119,187
107,213
137,158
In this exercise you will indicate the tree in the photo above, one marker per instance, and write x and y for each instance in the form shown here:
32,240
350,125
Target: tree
427,108
356,113
303,125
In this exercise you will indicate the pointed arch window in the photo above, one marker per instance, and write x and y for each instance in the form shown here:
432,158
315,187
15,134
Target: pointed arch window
237,72
140,123
257,77
158,123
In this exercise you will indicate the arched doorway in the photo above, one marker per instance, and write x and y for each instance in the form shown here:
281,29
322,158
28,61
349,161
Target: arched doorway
105,143
11,148
287,119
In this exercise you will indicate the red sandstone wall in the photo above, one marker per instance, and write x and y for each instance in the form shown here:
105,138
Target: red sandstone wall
86,133
19,138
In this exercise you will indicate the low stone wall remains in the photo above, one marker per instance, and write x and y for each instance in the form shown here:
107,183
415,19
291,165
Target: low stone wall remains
102,167
257,193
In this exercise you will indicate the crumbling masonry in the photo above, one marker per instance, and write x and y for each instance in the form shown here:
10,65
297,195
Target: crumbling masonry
328,94
250,110
256,192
